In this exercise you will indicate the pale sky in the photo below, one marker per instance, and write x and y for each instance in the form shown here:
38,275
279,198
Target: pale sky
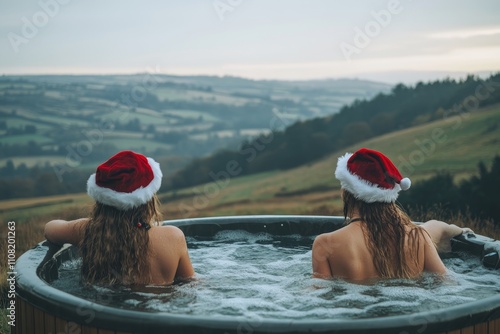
389,41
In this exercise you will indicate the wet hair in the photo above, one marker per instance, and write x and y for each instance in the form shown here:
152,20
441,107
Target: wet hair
391,237
113,249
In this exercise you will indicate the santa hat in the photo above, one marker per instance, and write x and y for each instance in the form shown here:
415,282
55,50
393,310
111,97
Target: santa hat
125,181
370,176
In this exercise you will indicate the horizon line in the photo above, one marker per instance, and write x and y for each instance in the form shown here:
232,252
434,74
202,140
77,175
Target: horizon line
454,75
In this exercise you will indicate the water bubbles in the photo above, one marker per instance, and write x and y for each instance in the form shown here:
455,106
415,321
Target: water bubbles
257,275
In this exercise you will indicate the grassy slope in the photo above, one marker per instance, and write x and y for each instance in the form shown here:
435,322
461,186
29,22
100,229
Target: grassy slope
455,144
463,141
309,189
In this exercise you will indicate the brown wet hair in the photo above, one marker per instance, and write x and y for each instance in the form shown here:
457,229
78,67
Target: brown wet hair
391,237
113,249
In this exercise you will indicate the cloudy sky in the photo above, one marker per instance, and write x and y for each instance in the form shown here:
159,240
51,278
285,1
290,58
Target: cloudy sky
390,41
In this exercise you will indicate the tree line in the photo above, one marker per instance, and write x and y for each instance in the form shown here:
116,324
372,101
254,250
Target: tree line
306,141
24,182
298,144
477,195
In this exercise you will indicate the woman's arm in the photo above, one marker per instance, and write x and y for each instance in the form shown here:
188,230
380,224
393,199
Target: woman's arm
62,231
441,233
185,268
320,264
432,261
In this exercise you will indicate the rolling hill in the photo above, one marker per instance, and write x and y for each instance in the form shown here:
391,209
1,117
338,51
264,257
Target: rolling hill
53,117
456,144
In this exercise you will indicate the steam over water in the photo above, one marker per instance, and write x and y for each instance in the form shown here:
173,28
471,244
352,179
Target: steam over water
265,276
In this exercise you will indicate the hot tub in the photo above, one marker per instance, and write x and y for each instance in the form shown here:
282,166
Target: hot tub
42,308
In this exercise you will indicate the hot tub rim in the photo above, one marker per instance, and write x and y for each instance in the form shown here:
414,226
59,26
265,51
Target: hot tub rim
36,291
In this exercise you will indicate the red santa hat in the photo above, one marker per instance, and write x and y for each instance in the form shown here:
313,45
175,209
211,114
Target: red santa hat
370,176
125,181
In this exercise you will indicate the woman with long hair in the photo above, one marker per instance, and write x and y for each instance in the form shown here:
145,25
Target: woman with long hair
121,242
379,239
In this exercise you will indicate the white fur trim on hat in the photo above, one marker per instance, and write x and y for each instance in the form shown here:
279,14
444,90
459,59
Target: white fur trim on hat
362,189
126,201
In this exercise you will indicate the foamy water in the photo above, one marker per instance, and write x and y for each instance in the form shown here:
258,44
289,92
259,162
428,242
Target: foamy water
265,276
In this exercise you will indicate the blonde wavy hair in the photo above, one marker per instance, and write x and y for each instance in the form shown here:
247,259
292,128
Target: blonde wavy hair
391,237
113,249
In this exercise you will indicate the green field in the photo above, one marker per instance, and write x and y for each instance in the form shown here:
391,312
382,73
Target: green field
64,108
145,117
309,189
456,145
138,144
17,122
34,161
461,143
210,97
25,139
194,114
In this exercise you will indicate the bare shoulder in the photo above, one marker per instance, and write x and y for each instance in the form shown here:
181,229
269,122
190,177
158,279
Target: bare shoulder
319,240
171,229
442,228
323,242
427,237
433,225
168,232
322,238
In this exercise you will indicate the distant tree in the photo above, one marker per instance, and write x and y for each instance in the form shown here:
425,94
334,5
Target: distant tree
220,126
437,192
9,168
318,144
33,148
355,132
30,129
48,184
477,195
22,170
480,193
382,123
133,125
171,137
20,188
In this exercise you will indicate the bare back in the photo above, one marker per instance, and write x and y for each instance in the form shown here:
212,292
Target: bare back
345,254
168,255
167,252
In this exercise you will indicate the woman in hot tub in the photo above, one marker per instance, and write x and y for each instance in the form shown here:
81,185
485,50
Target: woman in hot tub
121,242
379,239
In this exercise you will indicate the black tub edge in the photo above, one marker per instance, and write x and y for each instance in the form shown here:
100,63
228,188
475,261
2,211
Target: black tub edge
37,292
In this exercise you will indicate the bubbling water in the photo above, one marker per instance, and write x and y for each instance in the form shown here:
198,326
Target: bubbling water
265,276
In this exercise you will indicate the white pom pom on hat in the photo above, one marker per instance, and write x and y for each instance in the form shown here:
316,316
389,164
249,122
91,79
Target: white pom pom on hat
370,176
405,183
